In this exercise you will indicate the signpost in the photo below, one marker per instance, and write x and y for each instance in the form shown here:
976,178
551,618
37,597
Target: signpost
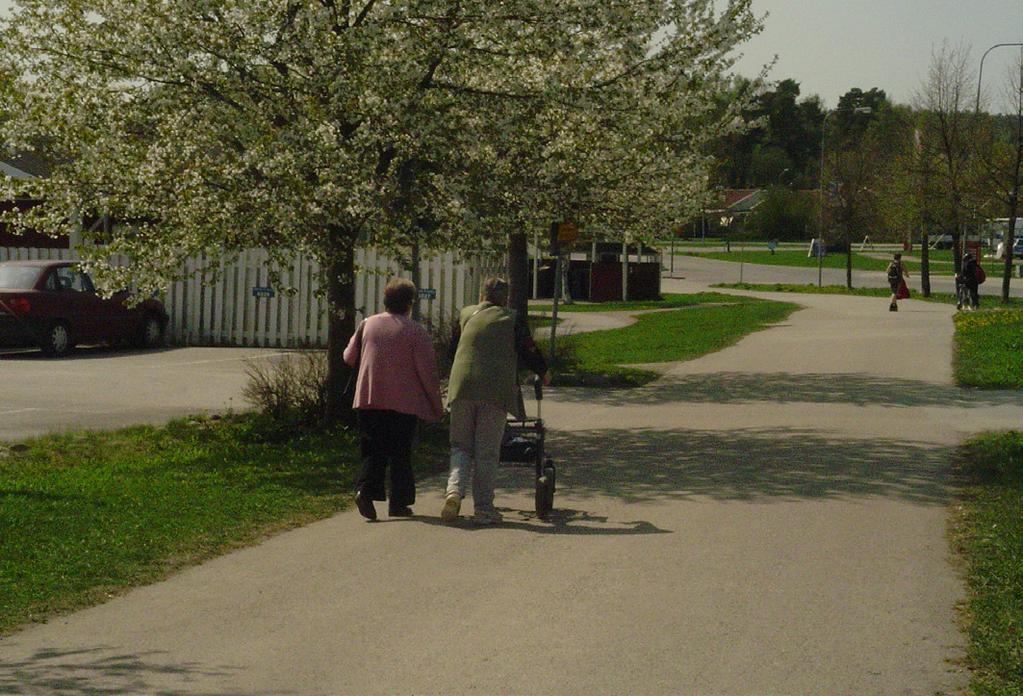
561,233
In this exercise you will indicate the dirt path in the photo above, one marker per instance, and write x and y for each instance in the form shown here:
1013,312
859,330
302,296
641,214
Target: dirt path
769,519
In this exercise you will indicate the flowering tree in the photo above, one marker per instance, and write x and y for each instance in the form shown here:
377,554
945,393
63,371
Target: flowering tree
622,146
307,125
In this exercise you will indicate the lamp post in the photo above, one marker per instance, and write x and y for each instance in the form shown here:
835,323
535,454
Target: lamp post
1014,194
820,182
980,73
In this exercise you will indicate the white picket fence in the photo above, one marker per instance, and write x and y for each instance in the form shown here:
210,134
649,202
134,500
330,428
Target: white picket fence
228,313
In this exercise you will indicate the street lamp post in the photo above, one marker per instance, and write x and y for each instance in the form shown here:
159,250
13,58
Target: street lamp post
980,73
1007,240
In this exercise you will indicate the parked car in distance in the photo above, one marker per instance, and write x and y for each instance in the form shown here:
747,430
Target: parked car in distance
941,241
54,305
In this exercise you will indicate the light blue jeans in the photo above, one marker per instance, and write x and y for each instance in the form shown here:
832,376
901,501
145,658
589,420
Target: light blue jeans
476,431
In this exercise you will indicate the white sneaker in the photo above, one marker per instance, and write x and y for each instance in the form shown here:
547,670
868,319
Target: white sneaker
452,504
485,517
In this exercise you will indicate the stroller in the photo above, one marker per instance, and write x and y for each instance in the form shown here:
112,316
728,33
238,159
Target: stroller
963,298
523,444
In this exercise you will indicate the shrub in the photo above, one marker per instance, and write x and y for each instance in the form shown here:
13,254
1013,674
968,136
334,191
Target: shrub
292,388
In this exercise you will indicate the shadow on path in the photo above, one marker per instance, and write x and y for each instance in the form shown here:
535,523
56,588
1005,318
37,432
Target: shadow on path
746,465
83,353
560,521
102,670
785,387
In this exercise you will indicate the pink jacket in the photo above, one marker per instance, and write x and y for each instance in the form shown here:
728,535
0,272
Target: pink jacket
397,366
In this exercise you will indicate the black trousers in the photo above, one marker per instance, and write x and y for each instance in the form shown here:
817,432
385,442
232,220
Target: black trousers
974,293
386,441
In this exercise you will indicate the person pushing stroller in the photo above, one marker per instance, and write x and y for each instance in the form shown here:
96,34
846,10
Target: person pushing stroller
967,283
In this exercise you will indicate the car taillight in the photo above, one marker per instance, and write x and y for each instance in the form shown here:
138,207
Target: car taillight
20,305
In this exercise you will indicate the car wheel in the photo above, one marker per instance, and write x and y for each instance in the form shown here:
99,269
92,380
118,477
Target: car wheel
150,333
57,341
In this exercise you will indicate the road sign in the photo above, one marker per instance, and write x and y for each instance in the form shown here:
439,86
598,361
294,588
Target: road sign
428,293
263,291
567,232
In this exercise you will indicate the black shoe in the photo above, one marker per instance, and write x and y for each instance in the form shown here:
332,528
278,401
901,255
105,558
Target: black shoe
365,505
893,307
405,511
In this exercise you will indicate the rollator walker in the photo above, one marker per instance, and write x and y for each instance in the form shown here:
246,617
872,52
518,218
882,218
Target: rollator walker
523,444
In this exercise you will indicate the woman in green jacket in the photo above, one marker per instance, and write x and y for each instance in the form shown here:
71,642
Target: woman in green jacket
487,344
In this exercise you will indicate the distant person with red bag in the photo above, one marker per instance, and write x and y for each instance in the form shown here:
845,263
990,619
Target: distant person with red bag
897,275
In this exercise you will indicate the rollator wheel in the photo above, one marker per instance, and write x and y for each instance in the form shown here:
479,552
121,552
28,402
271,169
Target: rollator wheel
548,471
542,498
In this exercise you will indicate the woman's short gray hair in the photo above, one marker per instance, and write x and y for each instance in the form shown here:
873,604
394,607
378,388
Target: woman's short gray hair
495,290
399,294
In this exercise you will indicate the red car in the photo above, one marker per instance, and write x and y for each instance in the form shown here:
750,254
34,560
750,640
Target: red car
53,305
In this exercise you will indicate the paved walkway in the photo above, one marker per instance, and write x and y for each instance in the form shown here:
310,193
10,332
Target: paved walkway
769,519
709,271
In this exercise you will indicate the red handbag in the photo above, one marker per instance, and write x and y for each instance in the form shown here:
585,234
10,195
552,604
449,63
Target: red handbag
903,292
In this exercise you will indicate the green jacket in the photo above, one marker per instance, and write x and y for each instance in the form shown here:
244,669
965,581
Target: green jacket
485,366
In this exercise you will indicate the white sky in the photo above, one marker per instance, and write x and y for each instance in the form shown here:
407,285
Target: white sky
830,46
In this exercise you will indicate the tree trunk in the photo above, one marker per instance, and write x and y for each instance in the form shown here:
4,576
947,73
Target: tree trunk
416,276
848,260
339,277
1010,237
957,248
925,264
518,275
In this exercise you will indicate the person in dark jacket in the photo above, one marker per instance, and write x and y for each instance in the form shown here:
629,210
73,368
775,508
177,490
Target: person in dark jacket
971,279
487,345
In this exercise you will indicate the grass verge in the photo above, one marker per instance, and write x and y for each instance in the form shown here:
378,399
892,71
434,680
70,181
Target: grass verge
796,258
85,516
600,358
668,301
988,533
989,350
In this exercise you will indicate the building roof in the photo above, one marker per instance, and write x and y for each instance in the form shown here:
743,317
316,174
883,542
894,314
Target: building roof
25,165
737,201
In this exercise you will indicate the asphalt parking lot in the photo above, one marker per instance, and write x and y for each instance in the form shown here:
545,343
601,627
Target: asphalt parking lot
99,388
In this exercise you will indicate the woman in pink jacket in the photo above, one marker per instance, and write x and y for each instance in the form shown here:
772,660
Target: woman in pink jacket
396,385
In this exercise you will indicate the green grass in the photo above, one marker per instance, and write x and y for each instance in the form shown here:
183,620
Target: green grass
692,242
668,301
988,533
989,349
596,358
87,515
784,257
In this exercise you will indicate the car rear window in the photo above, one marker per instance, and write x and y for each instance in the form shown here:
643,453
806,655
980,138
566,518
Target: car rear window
18,277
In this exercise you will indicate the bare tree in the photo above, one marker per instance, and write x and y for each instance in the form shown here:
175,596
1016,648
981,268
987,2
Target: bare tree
855,164
947,133
1001,158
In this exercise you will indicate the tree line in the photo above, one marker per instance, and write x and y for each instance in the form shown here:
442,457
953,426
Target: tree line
944,164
